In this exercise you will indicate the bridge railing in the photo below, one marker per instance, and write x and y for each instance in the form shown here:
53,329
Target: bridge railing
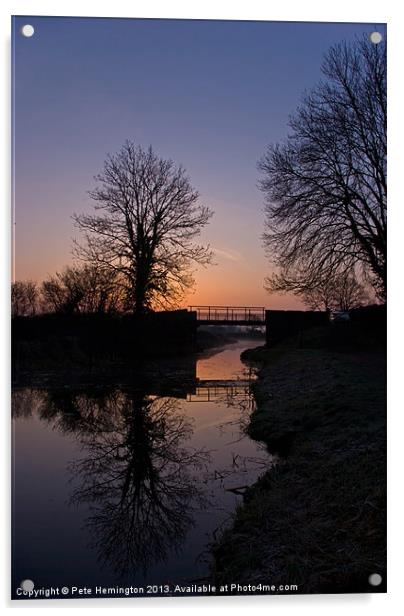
229,393
230,314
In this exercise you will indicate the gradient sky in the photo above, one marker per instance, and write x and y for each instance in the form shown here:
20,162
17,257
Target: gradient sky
208,94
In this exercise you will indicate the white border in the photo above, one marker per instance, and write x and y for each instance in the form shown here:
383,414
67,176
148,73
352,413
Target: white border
287,10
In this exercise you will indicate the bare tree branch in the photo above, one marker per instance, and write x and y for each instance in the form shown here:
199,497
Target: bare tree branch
24,298
325,188
149,218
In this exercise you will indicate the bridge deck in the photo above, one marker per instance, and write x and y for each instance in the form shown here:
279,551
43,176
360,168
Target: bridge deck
229,315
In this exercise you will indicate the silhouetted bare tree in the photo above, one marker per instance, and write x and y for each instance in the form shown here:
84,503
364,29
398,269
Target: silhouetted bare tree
349,293
24,298
83,289
341,292
149,215
325,188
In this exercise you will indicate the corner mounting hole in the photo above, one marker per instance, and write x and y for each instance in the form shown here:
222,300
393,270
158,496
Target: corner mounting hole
27,30
375,579
27,585
376,37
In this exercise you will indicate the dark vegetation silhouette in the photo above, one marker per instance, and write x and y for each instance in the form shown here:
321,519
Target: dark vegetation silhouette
83,289
340,292
137,252
147,218
325,187
319,518
77,289
24,298
135,258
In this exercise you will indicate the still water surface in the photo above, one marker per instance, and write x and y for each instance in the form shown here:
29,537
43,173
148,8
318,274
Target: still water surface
116,485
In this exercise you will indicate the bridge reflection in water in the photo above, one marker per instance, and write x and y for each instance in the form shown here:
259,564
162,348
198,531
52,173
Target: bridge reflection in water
214,390
147,478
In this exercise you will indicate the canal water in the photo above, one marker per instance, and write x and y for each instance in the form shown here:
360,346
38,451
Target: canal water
119,485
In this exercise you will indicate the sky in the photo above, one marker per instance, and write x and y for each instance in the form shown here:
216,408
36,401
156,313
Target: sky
210,95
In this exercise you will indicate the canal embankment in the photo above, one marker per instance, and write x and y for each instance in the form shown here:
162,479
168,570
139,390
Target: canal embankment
318,517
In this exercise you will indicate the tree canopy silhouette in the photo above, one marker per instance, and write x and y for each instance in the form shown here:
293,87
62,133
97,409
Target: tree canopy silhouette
148,216
85,289
325,187
24,298
341,292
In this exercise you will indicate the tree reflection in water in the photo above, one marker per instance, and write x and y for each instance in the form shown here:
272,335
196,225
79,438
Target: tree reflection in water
140,481
137,476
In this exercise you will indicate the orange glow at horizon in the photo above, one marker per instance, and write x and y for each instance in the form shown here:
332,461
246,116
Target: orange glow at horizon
236,284
226,284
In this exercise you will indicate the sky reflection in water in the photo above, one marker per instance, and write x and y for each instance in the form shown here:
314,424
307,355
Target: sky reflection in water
117,484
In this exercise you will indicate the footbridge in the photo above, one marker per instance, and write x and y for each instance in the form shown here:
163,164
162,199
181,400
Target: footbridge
229,315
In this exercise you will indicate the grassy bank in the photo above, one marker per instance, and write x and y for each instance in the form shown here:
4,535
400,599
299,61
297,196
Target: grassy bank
317,518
